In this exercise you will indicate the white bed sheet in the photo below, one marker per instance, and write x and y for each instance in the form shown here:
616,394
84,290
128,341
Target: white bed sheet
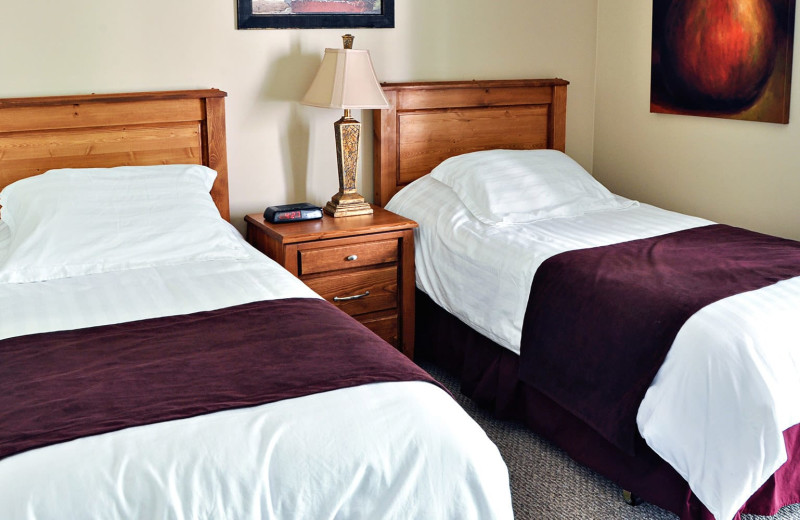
729,385
387,450
5,238
501,260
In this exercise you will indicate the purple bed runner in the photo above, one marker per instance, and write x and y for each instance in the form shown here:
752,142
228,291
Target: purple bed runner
600,321
60,386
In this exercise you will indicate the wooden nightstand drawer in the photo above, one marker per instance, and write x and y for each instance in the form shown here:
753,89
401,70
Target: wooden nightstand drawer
385,326
358,292
347,256
366,262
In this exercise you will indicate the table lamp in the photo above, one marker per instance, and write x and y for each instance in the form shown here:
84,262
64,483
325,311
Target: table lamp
346,79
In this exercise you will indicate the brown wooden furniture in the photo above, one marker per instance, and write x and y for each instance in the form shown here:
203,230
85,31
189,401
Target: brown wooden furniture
429,122
100,131
363,264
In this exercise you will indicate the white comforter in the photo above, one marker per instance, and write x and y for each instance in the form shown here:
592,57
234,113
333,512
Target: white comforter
388,450
730,384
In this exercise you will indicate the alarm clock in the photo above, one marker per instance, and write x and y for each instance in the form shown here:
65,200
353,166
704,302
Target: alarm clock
292,212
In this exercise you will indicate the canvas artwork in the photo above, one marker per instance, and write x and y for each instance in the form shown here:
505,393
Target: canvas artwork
317,6
723,58
314,14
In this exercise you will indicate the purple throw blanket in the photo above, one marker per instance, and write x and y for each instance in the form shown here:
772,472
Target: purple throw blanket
60,386
600,321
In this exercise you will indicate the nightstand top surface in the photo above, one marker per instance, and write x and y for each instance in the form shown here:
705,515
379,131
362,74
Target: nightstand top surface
327,227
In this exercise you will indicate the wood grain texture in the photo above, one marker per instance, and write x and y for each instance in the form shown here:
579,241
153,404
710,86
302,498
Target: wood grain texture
384,325
98,115
351,256
326,228
101,131
215,154
316,251
407,292
428,122
380,284
430,138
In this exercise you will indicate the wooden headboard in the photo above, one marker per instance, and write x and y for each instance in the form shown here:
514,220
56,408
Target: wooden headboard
100,131
429,122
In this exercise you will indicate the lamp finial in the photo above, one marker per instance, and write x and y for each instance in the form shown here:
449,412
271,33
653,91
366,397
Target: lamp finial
348,40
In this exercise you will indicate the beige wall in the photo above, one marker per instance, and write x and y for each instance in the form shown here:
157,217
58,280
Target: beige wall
280,151
738,172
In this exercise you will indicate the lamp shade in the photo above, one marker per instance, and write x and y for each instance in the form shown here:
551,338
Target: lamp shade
345,79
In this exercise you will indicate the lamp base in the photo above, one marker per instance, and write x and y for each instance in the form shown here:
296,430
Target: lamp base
347,202
347,205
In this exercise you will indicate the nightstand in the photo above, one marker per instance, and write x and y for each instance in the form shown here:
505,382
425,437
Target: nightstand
362,264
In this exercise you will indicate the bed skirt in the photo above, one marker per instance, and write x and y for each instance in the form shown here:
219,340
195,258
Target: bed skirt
488,374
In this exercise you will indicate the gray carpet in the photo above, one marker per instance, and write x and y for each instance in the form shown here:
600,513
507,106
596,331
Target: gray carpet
548,485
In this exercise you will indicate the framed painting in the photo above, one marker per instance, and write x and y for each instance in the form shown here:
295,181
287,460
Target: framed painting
314,14
723,58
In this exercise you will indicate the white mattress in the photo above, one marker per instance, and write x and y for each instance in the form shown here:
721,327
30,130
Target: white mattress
728,388
387,450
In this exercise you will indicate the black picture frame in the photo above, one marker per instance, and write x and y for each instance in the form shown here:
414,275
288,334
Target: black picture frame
246,19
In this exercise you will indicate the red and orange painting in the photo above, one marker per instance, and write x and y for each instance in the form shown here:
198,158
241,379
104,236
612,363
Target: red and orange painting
723,58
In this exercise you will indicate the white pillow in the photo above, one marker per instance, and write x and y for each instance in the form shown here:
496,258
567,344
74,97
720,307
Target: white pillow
519,186
74,222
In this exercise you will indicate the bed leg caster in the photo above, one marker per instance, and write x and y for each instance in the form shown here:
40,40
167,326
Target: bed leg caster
630,498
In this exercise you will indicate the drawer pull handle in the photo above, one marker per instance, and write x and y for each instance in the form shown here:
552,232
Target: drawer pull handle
351,258
348,298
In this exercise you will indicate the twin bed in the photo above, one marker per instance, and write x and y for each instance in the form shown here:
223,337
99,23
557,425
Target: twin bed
154,365
657,348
